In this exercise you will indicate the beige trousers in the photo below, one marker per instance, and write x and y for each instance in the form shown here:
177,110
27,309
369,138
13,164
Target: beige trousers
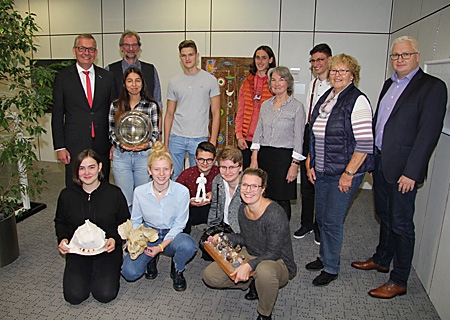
269,276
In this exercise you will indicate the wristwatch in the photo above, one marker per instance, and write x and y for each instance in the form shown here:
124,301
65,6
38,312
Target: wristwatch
349,173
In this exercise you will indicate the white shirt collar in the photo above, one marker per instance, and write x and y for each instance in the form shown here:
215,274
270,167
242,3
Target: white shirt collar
80,69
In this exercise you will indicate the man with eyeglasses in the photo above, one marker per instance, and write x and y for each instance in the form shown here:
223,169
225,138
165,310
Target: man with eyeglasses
205,156
408,123
130,45
82,94
320,56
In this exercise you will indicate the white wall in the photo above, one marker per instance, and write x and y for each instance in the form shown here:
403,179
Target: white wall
220,28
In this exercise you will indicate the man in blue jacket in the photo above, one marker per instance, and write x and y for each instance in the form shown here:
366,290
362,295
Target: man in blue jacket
408,123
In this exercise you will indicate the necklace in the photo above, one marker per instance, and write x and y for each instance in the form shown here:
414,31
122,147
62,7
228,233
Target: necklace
89,192
160,191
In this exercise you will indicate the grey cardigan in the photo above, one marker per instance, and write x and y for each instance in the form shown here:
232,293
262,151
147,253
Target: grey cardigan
216,212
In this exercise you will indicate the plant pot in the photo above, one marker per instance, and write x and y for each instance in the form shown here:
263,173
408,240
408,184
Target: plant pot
9,242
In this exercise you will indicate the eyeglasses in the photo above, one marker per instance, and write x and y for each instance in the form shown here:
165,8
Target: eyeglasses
278,80
339,72
404,55
253,187
83,49
231,168
130,45
316,60
202,161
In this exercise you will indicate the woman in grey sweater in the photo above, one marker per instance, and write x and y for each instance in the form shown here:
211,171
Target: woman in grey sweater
226,197
264,234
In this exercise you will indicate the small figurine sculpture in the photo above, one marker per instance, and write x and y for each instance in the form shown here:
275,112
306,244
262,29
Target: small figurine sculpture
201,181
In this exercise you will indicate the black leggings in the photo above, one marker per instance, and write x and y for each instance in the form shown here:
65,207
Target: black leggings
98,274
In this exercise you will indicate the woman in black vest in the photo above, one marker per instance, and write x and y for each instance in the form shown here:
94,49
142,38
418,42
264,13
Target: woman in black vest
340,155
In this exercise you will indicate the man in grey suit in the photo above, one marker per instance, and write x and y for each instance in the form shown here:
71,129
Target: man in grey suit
82,94
408,123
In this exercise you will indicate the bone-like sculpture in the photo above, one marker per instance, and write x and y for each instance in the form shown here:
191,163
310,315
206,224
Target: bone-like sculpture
136,239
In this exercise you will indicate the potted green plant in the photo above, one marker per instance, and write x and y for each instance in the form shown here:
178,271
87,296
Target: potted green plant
25,96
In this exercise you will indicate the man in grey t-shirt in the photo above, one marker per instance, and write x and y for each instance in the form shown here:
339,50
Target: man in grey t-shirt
190,96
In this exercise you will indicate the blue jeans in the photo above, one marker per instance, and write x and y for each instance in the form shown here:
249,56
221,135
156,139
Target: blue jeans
130,171
182,249
178,147
331,209
397,237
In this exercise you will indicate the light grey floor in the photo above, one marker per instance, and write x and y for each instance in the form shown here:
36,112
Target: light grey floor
31,287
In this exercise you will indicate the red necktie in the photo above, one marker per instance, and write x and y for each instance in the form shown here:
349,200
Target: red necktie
89,97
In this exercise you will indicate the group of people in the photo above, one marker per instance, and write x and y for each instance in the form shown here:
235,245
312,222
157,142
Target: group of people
334,139
394,145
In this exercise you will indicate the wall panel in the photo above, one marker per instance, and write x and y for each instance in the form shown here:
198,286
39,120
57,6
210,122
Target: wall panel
154,16
294,53
353,16
297,15
237,15
40,8
242,44
113,16
198,15
43,48
75,17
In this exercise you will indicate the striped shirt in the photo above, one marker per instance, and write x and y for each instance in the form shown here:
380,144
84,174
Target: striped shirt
149,108
281,129
361,119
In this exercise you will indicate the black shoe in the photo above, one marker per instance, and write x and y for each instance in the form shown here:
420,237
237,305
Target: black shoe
261,317
317,238
152,271
252,294
324,278
179,282
302,232
315,265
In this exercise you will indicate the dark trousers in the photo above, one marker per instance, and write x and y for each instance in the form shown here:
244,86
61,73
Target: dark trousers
197,215
397,237
307,190
247,155
286,205
98,274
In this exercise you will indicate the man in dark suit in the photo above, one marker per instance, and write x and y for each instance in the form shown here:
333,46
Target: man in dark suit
82,94
130,45
408,123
